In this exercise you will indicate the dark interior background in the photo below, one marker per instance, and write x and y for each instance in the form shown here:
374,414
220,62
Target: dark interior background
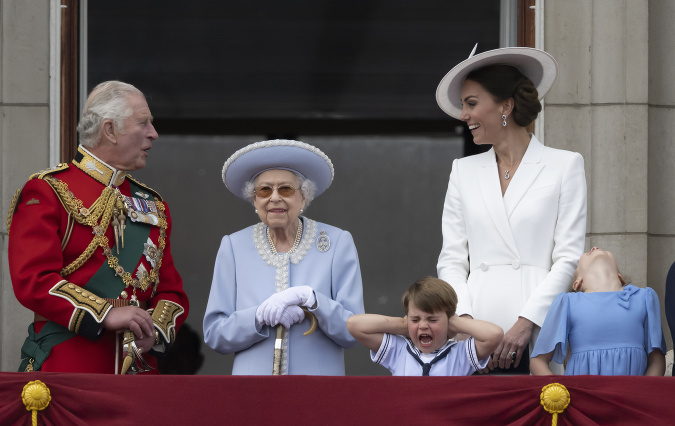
355,78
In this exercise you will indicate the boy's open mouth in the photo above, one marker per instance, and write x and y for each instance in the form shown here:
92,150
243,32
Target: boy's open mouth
425,339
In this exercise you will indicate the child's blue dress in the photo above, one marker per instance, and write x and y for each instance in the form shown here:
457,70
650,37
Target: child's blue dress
609,333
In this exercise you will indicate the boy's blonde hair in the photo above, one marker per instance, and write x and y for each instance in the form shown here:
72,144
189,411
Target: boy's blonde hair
431,295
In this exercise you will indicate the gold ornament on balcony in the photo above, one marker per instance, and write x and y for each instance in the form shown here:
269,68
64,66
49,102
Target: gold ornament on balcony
554,398
35,397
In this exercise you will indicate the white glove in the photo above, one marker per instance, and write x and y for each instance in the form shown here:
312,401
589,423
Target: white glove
269,312
291,315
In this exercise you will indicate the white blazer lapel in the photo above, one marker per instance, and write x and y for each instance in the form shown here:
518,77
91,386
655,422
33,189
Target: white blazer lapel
492,196
527,172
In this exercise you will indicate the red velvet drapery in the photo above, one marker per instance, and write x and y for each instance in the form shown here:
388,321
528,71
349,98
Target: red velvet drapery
79,399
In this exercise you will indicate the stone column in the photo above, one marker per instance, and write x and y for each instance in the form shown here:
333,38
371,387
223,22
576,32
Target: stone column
24,141
661,128
614,103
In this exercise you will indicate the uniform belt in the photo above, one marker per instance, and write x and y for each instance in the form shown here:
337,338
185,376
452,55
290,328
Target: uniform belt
117,303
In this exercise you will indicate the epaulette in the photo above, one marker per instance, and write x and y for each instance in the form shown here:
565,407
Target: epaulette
147,188
39,175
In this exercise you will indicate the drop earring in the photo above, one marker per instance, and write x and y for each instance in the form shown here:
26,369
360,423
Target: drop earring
503,120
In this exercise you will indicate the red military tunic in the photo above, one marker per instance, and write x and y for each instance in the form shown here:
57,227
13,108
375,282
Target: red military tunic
46,239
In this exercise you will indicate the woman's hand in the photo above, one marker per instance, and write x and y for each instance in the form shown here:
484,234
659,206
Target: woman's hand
270,311
515,340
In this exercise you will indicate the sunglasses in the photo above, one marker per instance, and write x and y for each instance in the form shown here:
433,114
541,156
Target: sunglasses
265,191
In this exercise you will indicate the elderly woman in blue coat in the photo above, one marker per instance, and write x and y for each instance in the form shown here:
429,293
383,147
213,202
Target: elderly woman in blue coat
267,273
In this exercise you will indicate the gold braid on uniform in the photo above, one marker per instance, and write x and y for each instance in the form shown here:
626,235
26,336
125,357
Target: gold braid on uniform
98,216
12,206
17,195
164,316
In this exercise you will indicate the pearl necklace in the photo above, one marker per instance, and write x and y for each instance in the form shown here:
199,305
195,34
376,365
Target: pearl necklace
296,243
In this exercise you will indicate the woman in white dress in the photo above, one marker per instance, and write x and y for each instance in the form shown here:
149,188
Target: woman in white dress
514,219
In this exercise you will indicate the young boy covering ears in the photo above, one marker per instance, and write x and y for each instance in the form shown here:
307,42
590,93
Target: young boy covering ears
419,344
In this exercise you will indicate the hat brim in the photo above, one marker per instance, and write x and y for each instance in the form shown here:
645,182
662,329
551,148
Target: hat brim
537,65
247,163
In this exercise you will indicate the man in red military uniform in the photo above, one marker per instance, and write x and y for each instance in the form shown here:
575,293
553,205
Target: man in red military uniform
89,249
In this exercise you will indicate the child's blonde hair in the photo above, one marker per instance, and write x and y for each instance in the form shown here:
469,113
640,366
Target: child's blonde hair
431,295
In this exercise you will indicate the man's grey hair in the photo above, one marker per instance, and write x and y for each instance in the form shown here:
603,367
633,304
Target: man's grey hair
306,187
108,101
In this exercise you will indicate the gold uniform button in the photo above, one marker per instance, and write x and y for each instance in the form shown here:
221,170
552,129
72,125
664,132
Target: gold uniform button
124,295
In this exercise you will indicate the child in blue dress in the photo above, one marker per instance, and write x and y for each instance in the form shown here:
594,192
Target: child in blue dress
611,328
419,345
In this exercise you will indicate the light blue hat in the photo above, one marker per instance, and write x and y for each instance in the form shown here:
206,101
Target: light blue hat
247,163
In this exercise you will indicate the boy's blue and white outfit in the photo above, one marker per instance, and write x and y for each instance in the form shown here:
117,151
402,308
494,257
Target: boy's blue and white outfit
402,358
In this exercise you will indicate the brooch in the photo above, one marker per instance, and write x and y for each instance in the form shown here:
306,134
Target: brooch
323,242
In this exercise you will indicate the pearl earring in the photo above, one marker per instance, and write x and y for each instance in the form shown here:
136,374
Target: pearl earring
256,211
503,120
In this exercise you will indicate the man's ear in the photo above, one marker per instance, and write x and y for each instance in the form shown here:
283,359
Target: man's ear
108,131
576,285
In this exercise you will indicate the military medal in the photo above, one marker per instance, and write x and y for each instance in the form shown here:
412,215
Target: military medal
143,211
151,253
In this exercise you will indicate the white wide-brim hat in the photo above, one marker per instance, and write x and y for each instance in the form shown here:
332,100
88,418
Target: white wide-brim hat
247,163
537,65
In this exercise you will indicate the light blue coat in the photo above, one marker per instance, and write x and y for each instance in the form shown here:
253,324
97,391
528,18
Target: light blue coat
247,273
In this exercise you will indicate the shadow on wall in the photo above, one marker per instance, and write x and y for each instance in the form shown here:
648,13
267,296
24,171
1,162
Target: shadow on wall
185,356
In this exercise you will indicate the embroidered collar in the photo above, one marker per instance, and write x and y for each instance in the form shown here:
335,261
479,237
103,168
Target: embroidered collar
98,169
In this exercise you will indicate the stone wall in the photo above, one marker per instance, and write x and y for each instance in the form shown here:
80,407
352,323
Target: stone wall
24,138
613,103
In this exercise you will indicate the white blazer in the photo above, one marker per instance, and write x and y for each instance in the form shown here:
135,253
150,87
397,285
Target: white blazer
510,256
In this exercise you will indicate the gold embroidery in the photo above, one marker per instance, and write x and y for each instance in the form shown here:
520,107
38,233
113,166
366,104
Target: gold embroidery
164,316
76,320
83,301
32,201
98,169
17,194
99,216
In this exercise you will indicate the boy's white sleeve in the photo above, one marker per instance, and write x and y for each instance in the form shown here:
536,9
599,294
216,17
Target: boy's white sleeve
385,355
472,356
